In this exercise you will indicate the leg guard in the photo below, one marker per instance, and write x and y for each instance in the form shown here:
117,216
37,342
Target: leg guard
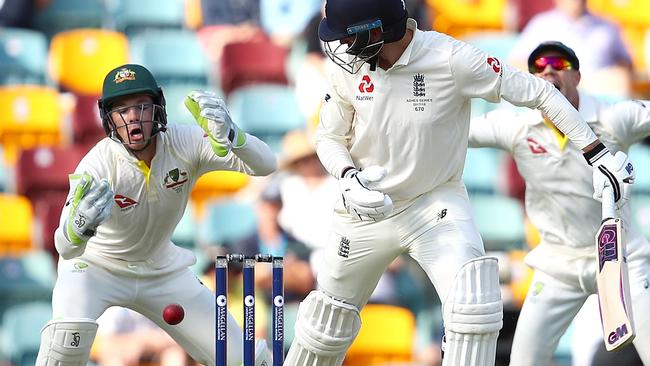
473,314
66,342
325,329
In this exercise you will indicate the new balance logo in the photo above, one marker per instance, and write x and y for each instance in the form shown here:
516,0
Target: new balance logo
344,247
442,214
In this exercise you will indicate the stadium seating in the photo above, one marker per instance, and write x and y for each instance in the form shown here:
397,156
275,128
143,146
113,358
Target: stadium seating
79,59
16,217
287,19
482,170
134,16
173,56
175,94
500,221
24,278
42,176
215,185
21,331
63,15
23,56
241,66
458,17
31,116
87,127
386,337
226,221
267,111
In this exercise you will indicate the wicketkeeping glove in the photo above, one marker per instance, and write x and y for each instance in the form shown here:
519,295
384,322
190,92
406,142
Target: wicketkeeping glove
90,205
360,200
210,112
614,171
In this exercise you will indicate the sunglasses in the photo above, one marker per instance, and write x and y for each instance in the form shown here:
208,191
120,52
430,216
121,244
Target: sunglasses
556,62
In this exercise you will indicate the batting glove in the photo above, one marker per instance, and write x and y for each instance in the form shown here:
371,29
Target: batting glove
360,200
615,171
210,112
90,206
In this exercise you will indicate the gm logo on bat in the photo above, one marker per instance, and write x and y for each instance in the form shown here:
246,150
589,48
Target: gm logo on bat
617,334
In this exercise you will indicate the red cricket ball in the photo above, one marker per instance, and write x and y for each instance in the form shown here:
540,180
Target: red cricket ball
173,314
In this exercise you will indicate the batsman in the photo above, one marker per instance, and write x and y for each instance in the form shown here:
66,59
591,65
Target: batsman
393,129
126,197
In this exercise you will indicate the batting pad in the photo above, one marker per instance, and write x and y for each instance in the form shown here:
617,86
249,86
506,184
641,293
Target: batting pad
66,342
473,314
325,329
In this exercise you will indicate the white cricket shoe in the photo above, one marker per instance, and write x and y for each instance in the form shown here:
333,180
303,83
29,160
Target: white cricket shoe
263,357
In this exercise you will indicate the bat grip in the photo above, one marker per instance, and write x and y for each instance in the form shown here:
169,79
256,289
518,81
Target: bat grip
609,206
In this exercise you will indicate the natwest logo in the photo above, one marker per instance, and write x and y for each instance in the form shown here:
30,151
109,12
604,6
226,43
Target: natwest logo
535,147
366,85
495,63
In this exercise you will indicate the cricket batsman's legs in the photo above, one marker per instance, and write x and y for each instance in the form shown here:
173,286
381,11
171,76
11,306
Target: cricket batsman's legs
548,310
328,319
473,314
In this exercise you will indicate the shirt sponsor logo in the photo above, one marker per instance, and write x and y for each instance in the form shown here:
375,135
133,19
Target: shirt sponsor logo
175,179
125,202
535,147
366,87
495,64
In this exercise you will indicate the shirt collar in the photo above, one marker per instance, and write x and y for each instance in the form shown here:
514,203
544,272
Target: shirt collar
406,55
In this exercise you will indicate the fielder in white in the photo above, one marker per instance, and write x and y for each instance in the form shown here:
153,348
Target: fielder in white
126,197
559,203
393,129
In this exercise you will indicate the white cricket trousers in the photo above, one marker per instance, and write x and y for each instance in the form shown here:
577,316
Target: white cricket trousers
551,305
437,230
85,290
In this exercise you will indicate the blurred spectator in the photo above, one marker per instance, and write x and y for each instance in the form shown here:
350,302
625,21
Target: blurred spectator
125,338
271,239
420,11
20,13
606,65
308,194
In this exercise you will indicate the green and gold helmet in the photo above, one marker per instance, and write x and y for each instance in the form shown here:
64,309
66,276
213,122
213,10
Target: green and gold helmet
127,80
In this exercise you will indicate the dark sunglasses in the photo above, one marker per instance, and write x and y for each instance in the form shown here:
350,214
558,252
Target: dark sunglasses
556,62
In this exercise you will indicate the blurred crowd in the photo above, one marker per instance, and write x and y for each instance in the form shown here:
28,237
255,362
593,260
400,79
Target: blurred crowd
265,59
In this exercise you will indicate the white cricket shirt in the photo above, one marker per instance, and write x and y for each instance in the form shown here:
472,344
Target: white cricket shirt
413,119
149,202
559,188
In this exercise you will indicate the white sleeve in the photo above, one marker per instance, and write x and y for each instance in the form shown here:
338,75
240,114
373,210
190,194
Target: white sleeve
479,75
334,132
629,121
498,129
255,157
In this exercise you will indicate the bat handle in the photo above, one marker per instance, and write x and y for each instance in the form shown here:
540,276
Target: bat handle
609,206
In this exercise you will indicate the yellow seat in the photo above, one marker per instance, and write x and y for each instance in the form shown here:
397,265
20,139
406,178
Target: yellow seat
80,58
387,336
31,116
16,216
215,185
459,17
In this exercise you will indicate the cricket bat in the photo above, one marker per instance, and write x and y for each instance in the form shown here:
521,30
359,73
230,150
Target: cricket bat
612,278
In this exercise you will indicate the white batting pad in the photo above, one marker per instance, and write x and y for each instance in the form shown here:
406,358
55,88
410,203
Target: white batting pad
66,342
473,314
325,329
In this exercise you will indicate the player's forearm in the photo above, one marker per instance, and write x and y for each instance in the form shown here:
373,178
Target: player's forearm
257,156
64,247
523,89
334,156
